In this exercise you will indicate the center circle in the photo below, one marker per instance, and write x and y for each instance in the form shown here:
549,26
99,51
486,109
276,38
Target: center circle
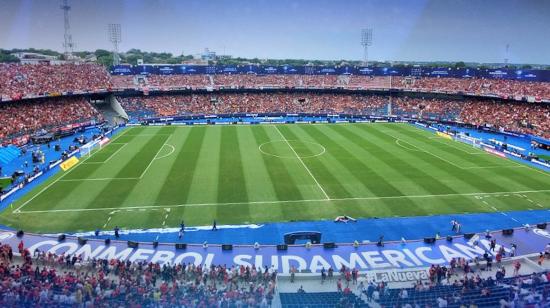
292,148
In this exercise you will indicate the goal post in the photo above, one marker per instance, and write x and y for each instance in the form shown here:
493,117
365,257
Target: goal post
88,148
475,142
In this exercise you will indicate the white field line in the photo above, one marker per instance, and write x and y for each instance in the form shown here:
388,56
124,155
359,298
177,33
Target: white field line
509,159
529,167
18,209
492,167
152,160
149,135
97,179
447,142
399,144
303,164
450,162
497,211
426,151
169,153
108,219
156,207
111,156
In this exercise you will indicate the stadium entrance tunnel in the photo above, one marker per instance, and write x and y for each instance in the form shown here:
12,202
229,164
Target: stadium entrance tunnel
292,149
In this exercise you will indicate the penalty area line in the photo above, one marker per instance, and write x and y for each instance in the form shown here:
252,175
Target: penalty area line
155,157
18,209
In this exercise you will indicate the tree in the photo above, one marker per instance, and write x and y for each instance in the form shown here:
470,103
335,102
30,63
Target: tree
102,53
460,64
8,58
105,59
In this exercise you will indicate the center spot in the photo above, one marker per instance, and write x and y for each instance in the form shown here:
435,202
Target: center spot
281,148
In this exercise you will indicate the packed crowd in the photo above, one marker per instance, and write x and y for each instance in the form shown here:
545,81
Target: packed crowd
45,279
480,86
171,105
524,118
23,118
517,117
253,81
20,80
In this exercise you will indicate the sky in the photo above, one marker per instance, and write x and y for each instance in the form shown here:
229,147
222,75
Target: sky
404,30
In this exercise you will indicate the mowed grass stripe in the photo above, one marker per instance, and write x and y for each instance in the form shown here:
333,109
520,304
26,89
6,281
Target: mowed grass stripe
357,149
258,182
322,173
282,182
305,180
361,171
286,174
449,151
83,171
204,185
105,153
403,162
334,161
516,178
231,179
178,182
416,176
62,194
523,178
146,191
372,180
116,192
465,176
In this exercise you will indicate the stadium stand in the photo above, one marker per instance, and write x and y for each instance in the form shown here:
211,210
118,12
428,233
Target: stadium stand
479,86
27,117
517,117
253,103
490,292
46,279
18,81
321,299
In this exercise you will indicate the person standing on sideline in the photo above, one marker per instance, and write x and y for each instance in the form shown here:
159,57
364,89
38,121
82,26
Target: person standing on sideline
117,230
214,227
182,229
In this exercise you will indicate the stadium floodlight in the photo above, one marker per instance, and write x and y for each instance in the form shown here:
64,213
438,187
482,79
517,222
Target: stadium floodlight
68,44
366,41
115,37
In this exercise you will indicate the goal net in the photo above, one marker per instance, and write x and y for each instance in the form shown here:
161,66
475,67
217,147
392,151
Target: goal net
88,148
475,142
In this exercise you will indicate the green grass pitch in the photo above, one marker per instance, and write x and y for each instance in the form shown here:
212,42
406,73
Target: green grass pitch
151,177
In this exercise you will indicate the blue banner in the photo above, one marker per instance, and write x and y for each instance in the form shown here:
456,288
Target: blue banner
511,74
370,256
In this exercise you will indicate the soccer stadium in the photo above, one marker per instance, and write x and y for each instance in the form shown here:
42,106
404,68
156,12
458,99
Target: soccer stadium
244,176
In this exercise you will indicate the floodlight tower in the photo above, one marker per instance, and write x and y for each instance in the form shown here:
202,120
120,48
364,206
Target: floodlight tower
68,43
366,41
115,37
